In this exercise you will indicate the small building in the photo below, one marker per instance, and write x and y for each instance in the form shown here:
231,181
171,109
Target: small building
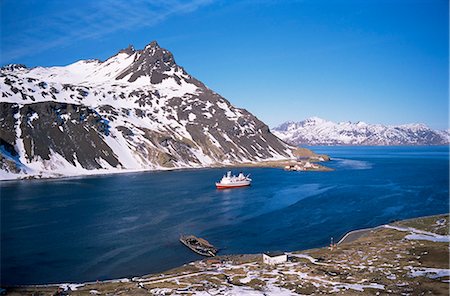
274,257
307,165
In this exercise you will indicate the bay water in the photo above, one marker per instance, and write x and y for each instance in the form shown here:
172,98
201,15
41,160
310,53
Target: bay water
113,226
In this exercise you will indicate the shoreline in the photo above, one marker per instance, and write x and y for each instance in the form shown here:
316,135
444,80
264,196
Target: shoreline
353,235
278,163
346,239
358,233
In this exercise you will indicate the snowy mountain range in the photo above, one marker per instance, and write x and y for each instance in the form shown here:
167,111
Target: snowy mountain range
137,110
317,131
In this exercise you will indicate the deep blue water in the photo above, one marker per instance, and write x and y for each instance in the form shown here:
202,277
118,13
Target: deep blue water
104,227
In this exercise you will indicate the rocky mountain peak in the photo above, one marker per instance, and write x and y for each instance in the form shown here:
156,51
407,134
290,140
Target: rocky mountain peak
12,67
314,120
285,126
156,55
129,50
152,61
153,44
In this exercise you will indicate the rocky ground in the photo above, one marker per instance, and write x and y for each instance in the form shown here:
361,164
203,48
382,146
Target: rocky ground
302,154
280,164
404,258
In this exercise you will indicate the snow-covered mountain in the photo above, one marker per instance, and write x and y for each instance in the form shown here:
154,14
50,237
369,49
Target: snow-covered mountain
136,110
317,131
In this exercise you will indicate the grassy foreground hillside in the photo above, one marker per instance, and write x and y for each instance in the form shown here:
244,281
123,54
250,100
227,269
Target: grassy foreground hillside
410,257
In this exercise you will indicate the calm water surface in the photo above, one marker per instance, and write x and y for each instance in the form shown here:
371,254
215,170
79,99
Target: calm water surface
104,227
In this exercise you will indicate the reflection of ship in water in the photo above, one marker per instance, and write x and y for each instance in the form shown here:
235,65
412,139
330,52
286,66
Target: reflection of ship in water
198,245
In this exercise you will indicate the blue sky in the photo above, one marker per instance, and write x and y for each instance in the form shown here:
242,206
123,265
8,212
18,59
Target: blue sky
379,61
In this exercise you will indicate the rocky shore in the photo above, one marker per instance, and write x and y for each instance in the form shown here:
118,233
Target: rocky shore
302,155
409,257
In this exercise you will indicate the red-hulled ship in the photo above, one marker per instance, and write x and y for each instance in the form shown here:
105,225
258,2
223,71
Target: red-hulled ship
232,181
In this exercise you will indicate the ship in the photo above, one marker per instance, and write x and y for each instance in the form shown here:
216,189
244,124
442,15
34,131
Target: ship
232,181
198,245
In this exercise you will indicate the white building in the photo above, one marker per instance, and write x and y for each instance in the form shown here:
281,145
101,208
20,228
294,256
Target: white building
274,257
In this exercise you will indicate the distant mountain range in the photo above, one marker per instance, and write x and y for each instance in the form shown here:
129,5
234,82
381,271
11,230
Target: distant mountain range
136,110
317,131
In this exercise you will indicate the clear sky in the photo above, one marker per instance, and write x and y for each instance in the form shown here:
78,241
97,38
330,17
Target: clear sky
378,61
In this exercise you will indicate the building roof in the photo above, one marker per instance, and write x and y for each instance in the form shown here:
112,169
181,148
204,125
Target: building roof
274,253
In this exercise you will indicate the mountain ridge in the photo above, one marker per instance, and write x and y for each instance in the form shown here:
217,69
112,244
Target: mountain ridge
318,131
136,110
